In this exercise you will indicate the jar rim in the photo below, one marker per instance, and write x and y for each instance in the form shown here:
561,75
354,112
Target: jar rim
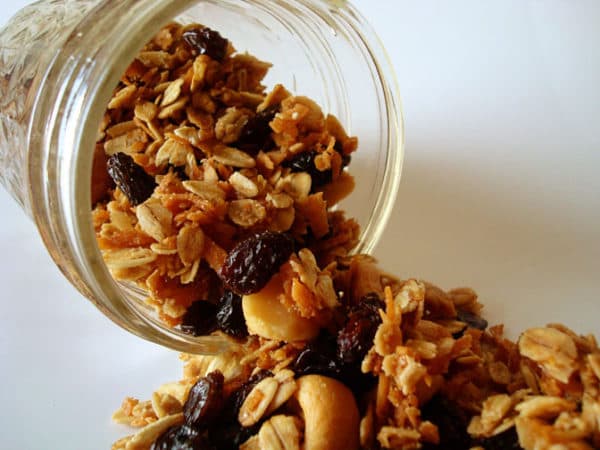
73,118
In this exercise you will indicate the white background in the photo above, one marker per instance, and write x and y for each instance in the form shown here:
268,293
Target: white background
500,192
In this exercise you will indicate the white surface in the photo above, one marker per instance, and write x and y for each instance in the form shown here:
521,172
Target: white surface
500,192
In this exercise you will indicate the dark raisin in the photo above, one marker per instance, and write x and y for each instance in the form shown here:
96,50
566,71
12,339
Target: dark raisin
205,401
472,320
180,172
230,317
369,305
206,42
256,134
182,437
356,337
227,433
319,357
507,440
132,179
252,262
451,421
200,319
230,435
305,162
346,160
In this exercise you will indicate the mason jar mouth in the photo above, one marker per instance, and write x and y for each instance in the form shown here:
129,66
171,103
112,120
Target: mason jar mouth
324,36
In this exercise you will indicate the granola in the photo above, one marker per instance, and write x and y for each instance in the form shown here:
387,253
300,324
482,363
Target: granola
231,230
200,157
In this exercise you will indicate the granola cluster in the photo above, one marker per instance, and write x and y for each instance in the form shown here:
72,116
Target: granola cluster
215,197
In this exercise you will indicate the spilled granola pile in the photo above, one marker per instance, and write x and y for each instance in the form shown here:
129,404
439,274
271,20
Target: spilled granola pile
215,197
402,365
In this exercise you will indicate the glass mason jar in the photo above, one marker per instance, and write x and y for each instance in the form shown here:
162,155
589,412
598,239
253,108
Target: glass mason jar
61,59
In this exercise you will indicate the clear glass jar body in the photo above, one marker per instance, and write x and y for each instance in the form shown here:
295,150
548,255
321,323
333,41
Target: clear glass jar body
60,60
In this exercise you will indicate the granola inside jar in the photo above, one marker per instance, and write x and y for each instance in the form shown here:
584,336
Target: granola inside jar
63,86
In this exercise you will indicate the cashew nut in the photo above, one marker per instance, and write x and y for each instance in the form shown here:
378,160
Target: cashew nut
331,419
268,318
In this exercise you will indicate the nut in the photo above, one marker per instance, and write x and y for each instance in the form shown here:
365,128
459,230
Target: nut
331,419
268,318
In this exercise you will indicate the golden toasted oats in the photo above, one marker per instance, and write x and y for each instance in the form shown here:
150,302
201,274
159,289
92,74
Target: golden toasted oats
246,213
544,407
172,92
552,349
232,157
258,401
190,244
154,219
128,258
243,185
279,433
230,125
205,190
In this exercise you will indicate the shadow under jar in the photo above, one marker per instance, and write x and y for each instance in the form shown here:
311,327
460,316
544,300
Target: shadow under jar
60,61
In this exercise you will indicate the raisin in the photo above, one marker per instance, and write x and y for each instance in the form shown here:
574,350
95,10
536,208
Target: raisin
451,421
356,337
252,262
369,304
319,357
230,317
228,434
231,435
472,320
256,134
132,179
507,440
206,42
305,162
180,172
200,319
182,437
205,401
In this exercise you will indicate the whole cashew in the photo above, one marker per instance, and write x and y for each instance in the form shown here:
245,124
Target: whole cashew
331,419
268,318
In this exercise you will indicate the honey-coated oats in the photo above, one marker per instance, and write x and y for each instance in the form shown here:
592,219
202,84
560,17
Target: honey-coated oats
215,196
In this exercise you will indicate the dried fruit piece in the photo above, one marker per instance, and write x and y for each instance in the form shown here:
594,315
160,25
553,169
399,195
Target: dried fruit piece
356,337
252,262
451,422
319,357
256,134
229,436
305,162
182,437
131,178
200,319
230,316
205,400
507,440
206,42
472,320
